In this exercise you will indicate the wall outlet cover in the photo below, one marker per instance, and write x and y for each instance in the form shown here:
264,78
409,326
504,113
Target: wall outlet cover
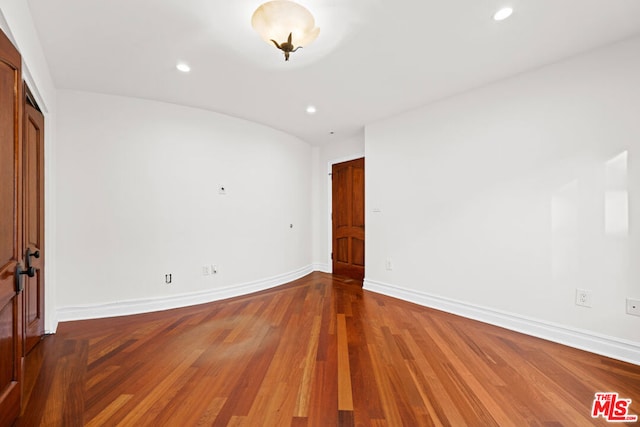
583,297
633,306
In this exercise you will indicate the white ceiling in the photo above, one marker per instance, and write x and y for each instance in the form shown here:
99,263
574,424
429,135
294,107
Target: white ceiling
373,58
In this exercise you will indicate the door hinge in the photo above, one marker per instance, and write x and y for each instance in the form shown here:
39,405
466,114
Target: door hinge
331,256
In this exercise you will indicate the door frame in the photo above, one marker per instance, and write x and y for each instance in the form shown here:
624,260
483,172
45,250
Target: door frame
330,164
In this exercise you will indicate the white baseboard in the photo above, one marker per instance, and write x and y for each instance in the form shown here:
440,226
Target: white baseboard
627,351
126,308
323,268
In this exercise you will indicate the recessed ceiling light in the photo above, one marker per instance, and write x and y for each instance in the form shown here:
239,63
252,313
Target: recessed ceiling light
311,109
503,14
183,67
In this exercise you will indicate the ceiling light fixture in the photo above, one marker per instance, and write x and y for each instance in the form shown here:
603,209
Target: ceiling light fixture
183,67
311,109
285,24
503,14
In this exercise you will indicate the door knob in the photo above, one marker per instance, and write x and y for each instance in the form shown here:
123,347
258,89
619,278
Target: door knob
36,254
31,271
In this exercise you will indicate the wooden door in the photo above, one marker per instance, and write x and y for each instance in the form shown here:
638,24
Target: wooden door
348,218
33,199
11,314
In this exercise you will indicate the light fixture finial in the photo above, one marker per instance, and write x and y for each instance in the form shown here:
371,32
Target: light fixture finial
286,47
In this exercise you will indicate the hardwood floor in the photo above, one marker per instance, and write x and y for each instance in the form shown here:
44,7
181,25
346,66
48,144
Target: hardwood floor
319,351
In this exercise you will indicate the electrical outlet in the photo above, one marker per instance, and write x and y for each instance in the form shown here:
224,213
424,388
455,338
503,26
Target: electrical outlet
633,306
583,297
167,279
388,264
222,189
205,270
214,269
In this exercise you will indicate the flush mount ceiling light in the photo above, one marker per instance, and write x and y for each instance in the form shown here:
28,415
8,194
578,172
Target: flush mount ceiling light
285,24
503,14
311,109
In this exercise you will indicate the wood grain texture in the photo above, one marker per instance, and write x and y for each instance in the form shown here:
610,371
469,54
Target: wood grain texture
11,244
319,351
33,223
348,218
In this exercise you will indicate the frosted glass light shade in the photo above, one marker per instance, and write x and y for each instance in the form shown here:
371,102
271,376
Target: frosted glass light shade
275,20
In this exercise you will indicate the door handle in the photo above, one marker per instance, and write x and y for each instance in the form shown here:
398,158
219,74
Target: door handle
28,256
31,271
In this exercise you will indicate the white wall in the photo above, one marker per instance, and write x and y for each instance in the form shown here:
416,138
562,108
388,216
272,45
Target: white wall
16,22
137,188
509,197
337,151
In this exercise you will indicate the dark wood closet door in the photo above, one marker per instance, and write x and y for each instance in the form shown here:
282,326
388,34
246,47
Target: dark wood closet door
348,218
10,231
33,161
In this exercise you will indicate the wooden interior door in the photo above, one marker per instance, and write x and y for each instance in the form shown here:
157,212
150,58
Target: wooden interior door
33,197
11,314
348,218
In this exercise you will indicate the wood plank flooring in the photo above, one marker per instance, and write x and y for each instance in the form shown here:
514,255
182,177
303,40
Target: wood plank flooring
319,351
